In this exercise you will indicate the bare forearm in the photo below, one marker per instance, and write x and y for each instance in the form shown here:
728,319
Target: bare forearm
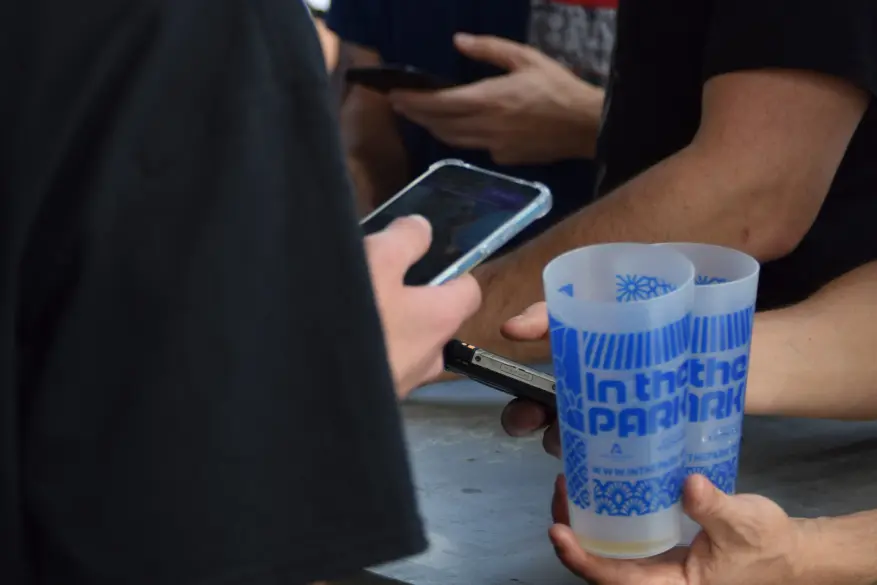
376,158
754,178
666,203
842,551
818,359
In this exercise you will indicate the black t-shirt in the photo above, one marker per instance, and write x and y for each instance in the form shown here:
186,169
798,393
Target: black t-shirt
193,382
665,52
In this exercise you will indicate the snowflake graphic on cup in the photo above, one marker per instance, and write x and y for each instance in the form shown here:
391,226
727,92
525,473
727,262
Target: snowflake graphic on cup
634,287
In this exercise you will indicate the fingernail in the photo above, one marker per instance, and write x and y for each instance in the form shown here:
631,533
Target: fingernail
422,220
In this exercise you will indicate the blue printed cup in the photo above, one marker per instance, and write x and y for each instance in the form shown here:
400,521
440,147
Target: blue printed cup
620,317
721,332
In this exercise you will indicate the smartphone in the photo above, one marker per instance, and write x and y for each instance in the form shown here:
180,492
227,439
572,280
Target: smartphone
386,78
500,373
473,213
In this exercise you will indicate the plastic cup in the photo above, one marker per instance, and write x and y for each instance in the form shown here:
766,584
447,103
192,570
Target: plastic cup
721,333
620,317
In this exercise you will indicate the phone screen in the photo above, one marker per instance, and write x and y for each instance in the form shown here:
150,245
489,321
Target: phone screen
464,206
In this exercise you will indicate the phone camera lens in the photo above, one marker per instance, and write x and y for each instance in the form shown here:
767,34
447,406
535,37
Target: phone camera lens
553,388
477,358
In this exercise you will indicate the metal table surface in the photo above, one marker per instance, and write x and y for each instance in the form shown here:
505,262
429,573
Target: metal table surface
485,496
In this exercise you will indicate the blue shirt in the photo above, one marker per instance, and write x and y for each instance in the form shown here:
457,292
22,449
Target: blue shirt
420,33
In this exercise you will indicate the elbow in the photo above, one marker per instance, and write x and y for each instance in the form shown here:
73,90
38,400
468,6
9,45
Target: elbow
783,219
776,240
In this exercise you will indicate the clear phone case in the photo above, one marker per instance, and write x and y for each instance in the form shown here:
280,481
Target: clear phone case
536,209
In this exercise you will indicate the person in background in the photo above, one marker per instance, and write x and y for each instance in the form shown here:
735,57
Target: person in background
725,123
814,359
194,379
528,102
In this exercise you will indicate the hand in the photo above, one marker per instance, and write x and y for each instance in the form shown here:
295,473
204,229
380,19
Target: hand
522,417
417,320
538,112
746,540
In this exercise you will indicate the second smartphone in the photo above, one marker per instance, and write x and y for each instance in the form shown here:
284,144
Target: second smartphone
473,213
387,78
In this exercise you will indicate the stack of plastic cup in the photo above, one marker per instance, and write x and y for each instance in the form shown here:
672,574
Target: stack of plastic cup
620,319
721,332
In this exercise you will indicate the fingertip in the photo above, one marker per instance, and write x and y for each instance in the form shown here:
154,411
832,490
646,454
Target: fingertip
698,494
510,328
421,222
530,325
696,485
462,39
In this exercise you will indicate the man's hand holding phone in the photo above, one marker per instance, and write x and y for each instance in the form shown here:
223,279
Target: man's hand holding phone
536,113
417,320
523,417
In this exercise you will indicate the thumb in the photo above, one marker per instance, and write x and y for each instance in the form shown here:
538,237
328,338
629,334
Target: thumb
531,325
403,242
503,53
710,507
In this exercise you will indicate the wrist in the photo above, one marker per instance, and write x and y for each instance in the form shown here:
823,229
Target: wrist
838,551
586,110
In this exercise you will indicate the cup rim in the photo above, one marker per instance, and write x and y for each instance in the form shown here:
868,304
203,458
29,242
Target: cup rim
754,270
679,290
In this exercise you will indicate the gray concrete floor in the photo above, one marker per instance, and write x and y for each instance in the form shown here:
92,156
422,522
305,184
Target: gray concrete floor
485,497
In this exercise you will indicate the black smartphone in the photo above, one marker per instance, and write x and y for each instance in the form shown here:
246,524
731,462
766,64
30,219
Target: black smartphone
386,78
473,213
500,373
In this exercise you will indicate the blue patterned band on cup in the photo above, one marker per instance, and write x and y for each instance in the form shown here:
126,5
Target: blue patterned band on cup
717,394
622,396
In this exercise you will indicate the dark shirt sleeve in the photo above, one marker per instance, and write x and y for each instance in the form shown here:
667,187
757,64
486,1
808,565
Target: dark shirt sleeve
207,398
362,22
837,38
